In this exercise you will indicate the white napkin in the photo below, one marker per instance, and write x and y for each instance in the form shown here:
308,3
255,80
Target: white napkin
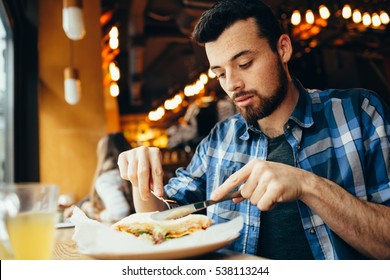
93,237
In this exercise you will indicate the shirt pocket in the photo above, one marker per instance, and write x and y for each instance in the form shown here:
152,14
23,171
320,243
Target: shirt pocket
217,175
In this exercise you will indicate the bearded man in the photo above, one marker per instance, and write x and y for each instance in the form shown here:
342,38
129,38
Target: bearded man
313,166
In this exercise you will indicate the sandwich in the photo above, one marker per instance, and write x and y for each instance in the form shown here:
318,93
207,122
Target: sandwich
142,225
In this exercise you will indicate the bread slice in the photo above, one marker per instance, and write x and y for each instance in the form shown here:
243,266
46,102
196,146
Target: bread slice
141,224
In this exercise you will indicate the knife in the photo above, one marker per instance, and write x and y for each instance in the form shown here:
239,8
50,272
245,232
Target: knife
185,210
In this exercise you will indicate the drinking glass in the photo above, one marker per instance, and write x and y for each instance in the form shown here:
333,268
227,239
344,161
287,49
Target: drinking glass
28,214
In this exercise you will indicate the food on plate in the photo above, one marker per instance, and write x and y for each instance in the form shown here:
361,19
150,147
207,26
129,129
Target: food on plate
142,225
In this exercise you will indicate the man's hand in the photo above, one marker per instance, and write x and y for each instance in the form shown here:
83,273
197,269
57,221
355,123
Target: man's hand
142,166
265,183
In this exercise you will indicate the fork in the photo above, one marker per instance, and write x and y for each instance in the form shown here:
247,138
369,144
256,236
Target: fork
168,202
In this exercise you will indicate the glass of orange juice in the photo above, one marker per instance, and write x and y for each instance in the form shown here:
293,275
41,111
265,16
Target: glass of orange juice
28,217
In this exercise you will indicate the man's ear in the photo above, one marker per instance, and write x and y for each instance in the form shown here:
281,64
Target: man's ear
284,48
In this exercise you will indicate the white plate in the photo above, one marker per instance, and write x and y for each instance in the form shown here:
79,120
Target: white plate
169,254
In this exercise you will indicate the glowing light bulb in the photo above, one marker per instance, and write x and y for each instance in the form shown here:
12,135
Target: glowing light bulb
309,17
72,86
114,40
346,11
296,17
356,16
211,74
114,71
324,12
203,78
114,89
366,19
376,20
384,17
72,19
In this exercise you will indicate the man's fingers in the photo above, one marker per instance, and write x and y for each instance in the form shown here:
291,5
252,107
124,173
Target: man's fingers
157,172
232,182
122,164
128,166
266,202
238,199
143,173
143,168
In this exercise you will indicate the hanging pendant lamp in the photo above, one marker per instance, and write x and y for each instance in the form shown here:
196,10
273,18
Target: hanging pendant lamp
72,82
72,85
72,19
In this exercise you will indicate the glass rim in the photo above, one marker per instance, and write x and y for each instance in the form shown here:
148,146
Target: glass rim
26,185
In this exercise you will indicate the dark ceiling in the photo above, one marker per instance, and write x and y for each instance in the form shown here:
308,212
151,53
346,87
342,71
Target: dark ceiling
157,58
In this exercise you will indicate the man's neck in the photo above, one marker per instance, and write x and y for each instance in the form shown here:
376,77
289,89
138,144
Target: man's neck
273,125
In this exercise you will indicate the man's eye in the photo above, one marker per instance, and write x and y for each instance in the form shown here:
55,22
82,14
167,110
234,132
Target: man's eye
246,65
219,76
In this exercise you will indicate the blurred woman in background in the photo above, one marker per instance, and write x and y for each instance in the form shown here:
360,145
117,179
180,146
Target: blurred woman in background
110,198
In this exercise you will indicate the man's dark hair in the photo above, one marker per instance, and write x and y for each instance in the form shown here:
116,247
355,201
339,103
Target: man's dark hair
226,12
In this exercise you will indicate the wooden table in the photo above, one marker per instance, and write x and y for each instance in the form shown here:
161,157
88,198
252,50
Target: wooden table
66,249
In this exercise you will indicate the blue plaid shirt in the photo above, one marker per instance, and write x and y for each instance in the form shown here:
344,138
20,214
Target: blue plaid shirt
342,135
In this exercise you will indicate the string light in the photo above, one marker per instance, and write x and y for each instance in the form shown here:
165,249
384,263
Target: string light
114,40
157,114
112,71
375,20
171,104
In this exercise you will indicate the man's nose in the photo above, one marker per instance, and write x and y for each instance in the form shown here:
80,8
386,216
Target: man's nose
234,82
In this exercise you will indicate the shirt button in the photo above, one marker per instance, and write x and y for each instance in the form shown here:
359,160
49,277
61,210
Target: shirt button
299,147
312,231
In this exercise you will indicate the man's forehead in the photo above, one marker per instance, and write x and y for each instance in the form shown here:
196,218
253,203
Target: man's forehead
233,41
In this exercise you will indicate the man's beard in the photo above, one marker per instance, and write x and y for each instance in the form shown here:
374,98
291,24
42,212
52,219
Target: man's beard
267,104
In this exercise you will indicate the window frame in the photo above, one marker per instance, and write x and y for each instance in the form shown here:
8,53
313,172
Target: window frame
8,106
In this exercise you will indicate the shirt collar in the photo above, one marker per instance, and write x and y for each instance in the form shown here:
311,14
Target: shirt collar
302,114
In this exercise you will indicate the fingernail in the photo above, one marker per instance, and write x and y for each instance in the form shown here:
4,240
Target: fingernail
159,192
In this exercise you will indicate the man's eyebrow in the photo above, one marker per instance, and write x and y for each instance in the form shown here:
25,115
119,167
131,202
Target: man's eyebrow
244,52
